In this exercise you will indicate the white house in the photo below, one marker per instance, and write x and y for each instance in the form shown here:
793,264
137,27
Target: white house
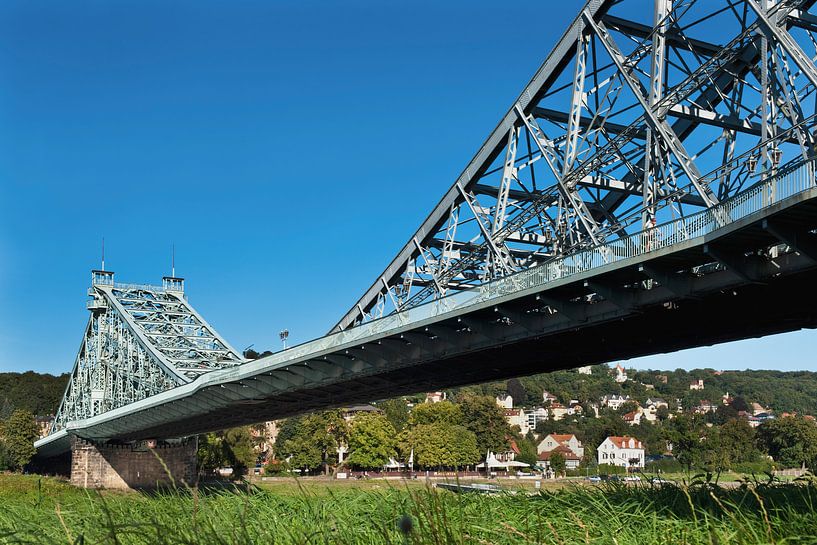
614,401
548,397
621,374
697,384
517,417
566,444
585,370
553,440
621,451
506,401
435,397
534,416
633,418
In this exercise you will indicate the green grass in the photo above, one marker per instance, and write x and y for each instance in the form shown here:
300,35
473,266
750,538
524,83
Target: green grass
34,510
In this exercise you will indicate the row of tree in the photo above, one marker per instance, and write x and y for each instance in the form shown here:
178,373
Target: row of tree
432,435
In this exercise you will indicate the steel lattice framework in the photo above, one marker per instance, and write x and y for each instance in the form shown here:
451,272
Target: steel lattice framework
655,162
636,117
140,340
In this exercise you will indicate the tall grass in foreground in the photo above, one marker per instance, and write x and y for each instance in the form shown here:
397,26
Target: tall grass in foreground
57,513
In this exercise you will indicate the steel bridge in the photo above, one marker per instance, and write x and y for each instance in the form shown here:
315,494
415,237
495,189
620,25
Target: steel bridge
652,188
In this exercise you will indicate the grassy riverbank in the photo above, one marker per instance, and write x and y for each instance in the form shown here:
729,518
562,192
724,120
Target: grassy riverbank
34,510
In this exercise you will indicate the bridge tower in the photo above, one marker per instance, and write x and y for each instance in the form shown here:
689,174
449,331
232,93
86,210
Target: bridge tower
140,340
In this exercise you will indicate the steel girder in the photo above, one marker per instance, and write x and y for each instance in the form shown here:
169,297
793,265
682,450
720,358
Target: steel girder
139,341
633,119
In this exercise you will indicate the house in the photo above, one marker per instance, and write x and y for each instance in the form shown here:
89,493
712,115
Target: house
565,444
656,402
547,397
558,411
697,384
623,451
651,407
621,374
614,401
505,401
44,424
755,420
585,370
572,461
633,418
726,399
536,415
435,397
757,409
661,378
508,455
517,417
349,413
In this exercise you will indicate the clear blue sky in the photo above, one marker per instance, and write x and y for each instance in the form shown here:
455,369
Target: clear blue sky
288,149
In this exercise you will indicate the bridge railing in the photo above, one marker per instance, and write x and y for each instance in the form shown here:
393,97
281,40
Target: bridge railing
774,189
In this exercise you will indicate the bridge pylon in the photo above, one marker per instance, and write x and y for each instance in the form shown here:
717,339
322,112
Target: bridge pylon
140,340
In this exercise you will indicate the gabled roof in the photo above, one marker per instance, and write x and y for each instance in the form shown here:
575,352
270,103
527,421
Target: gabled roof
624,441
561,449
561,438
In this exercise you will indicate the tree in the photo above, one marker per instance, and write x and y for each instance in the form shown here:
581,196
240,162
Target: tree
684,433
662,413
485,419
737,441
372,441
432,413
396,412
234,447
527,452
19,433
557,463
240,450
313,440
210,454
792,441
441,445
517,391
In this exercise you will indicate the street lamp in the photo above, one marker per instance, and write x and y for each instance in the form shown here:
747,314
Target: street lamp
283,335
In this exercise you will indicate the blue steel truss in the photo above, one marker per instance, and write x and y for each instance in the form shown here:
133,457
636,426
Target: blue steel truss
140,340
644,141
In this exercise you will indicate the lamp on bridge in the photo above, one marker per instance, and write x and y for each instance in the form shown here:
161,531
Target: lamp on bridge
283,335
751,163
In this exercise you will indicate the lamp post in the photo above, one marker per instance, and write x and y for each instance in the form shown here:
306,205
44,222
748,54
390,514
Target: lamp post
283,335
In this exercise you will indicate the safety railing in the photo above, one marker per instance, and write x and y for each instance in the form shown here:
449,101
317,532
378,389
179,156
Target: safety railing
143,287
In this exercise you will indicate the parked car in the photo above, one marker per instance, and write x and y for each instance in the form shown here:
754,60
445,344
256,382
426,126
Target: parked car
659,481
632,479
594,479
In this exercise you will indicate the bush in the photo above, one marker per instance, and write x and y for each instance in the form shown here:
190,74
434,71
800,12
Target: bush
762,466
610,469
664,465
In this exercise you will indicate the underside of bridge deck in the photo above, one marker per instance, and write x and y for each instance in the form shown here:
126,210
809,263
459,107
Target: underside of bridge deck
755,280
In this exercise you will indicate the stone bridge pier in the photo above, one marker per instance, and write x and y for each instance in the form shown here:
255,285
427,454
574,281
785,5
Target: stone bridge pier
142,464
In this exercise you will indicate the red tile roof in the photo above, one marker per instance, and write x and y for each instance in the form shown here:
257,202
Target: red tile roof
624,441
561,449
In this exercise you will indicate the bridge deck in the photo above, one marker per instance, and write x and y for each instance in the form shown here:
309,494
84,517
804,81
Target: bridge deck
690,282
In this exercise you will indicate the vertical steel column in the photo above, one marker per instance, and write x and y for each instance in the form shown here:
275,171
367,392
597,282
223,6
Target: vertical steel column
577,99
662,8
